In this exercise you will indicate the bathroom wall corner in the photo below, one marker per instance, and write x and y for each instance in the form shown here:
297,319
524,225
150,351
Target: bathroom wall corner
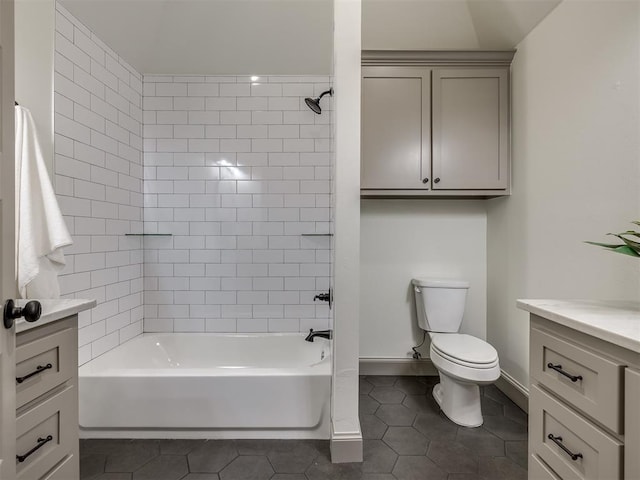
346,443
98,183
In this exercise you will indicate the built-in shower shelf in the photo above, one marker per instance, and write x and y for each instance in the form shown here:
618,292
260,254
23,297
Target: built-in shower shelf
148,234
317,234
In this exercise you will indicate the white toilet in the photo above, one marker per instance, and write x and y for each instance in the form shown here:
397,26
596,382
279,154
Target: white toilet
464,362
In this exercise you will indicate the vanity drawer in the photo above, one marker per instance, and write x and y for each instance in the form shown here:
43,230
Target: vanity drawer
598,392
66,470
538,470
52,419
598,456
44,364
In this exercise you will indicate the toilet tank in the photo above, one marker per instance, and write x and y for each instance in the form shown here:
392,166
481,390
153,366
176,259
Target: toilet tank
440,303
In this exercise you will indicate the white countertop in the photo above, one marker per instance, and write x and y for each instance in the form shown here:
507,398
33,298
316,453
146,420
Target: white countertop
53,310
617,322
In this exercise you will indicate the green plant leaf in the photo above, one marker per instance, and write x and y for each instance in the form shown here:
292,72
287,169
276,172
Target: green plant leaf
605,245
629,247
623,249
630,243
634,245
626,250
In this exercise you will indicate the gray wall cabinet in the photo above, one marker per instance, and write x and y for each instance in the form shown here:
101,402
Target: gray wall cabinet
435,124
396,146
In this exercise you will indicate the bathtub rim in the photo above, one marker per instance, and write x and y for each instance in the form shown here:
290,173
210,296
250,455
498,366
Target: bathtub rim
127,345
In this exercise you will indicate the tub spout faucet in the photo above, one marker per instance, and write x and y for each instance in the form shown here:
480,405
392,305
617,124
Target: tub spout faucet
328,334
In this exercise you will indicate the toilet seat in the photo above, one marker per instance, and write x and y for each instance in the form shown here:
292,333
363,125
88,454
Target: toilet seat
476,374
464,350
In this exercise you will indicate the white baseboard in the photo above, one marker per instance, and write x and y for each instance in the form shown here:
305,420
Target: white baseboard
508,385
396,366
211,434
346,447
513,389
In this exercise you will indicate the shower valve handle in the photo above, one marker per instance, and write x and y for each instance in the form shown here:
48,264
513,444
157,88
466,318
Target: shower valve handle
323,297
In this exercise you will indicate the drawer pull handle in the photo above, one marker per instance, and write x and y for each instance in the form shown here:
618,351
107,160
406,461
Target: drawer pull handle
41,443
558,368
558,441
39,369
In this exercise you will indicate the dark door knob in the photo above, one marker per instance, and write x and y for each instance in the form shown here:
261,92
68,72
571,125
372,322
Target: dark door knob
31,312
425,180
436,180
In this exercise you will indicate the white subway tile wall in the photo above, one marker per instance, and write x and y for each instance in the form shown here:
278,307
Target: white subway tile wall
98,181
236,169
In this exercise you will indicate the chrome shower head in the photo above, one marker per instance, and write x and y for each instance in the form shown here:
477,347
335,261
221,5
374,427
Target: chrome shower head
314,103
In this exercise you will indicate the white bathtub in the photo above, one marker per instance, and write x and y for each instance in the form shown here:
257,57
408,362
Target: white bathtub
180,385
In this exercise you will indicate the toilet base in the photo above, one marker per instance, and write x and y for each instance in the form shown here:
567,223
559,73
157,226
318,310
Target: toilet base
460,402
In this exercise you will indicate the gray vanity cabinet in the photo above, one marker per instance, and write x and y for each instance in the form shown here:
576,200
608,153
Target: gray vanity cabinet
632,414
583,406
435,124
47,401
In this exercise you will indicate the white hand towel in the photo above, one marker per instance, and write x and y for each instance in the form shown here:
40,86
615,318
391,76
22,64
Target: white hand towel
41,231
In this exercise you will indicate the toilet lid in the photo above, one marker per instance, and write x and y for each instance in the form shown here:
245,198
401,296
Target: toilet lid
468,349
439,283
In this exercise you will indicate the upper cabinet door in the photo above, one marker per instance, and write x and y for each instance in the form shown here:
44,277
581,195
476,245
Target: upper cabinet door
396,144
470,128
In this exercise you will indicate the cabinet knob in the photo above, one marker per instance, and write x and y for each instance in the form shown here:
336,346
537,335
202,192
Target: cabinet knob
436,180
425,180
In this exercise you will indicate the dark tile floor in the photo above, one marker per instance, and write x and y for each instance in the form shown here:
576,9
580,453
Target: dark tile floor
405,438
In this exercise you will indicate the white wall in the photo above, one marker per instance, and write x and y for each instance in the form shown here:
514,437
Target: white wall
400,25
576,170
402,239
34,35
98,182
237,169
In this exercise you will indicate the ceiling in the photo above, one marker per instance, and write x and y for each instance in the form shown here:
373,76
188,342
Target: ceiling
293,37
450,24
241,37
